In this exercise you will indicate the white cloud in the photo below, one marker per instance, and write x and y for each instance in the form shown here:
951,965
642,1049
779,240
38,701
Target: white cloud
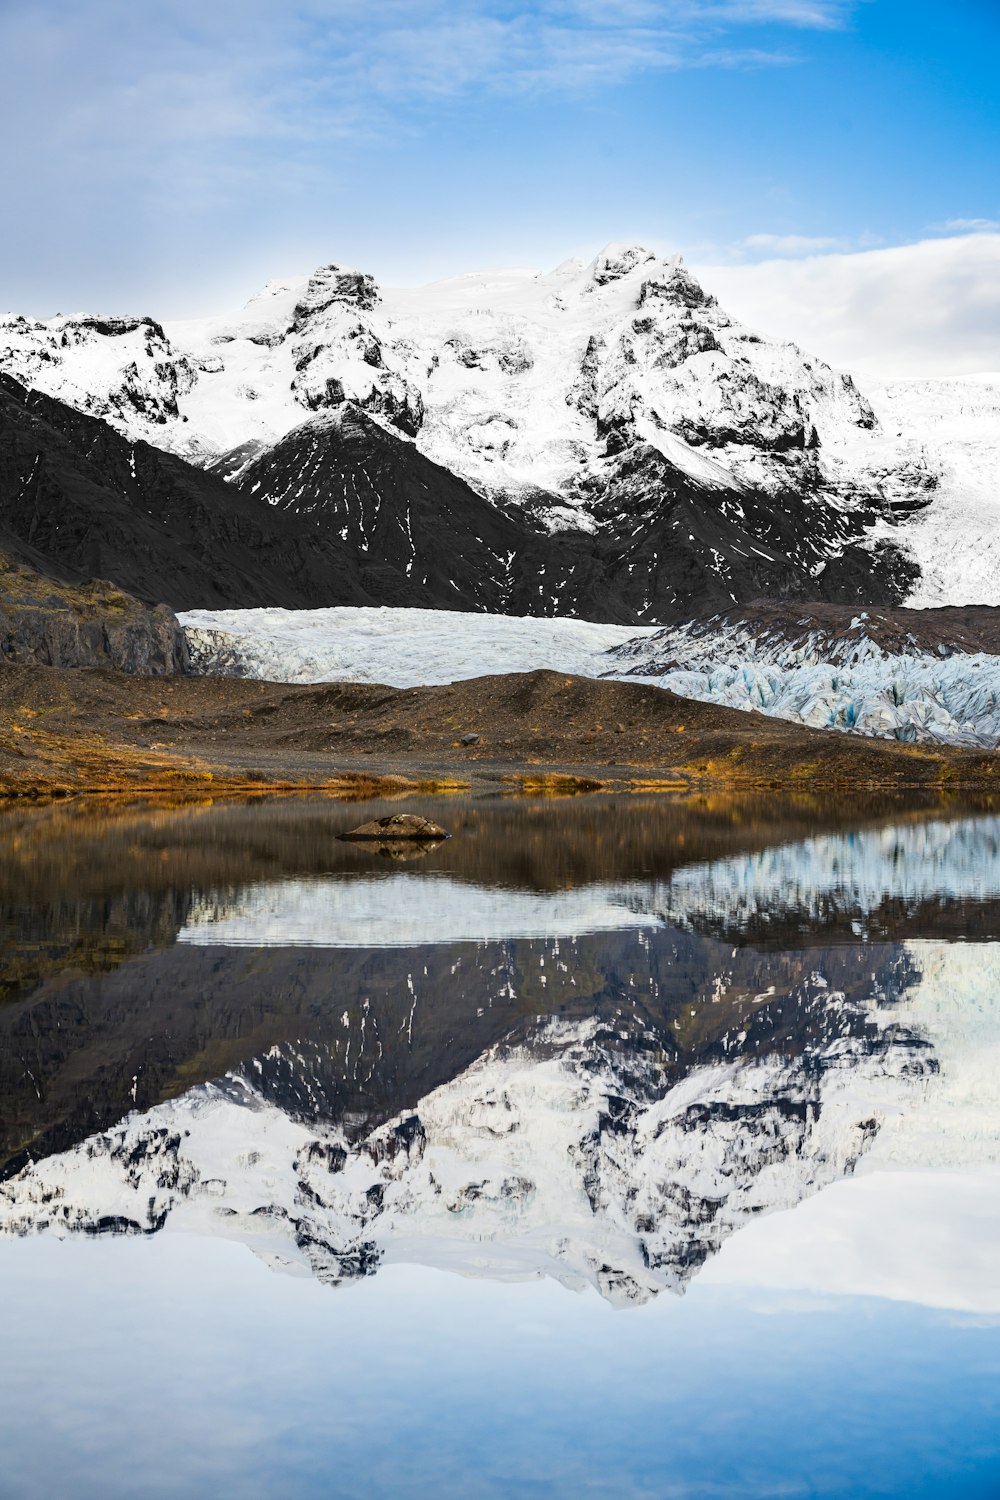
966,226
932,308
790,244
264,60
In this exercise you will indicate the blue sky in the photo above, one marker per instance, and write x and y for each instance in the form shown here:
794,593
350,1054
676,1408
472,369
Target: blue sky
172,157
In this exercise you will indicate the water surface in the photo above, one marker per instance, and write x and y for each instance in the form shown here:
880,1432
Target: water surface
616,1146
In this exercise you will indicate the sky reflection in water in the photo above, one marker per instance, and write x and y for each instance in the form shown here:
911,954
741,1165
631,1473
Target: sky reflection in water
768,1087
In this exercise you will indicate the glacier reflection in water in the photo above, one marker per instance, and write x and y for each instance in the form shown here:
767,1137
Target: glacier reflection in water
713,1082
853,873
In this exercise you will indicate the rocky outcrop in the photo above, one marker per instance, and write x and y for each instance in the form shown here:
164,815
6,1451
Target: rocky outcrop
133,638
50,622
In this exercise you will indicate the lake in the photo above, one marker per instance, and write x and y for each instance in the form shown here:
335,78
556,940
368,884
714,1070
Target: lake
624,1147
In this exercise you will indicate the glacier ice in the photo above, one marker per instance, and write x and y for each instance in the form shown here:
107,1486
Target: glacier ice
920,698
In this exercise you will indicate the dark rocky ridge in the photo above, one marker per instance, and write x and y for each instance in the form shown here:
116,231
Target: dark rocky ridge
344,512
947,631
667,547
89,504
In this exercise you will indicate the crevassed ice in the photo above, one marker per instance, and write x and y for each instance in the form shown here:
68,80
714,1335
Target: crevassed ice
914,698
917,698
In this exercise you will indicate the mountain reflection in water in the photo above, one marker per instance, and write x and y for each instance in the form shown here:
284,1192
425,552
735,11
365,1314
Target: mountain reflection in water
588,1042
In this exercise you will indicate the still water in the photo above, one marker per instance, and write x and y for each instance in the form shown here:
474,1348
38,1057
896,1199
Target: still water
613,1147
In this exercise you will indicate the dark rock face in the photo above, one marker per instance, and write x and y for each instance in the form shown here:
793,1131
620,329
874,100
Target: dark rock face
55,622
145,641
343,511
80,501
667,547
332,284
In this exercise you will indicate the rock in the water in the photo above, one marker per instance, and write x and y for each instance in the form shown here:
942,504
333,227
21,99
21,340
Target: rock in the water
399,826
402,851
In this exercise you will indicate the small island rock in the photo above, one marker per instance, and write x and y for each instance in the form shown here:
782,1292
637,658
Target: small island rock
398,826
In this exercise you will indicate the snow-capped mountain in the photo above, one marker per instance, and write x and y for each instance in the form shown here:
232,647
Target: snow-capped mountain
614,398
520,382
570,1151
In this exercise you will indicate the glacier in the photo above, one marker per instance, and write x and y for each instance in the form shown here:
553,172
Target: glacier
401,647
916,697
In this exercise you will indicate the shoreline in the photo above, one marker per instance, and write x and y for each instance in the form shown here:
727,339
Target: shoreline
67,732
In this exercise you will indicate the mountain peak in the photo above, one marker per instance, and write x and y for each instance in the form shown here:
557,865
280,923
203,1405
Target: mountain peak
336,283
617,260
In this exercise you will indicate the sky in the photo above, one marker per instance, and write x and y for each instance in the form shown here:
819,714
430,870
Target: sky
836,163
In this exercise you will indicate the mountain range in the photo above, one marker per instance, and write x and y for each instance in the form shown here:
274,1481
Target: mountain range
601,441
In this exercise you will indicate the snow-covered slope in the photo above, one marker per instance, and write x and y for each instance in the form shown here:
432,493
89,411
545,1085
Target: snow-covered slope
954,426
567,1154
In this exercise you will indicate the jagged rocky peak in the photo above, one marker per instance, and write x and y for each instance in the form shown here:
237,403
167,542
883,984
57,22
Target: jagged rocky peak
85,324
335,284
342,351
675,285
615,261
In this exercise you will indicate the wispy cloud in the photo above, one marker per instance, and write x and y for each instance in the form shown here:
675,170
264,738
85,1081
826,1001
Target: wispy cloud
966,226
185,100
255,62
791,244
